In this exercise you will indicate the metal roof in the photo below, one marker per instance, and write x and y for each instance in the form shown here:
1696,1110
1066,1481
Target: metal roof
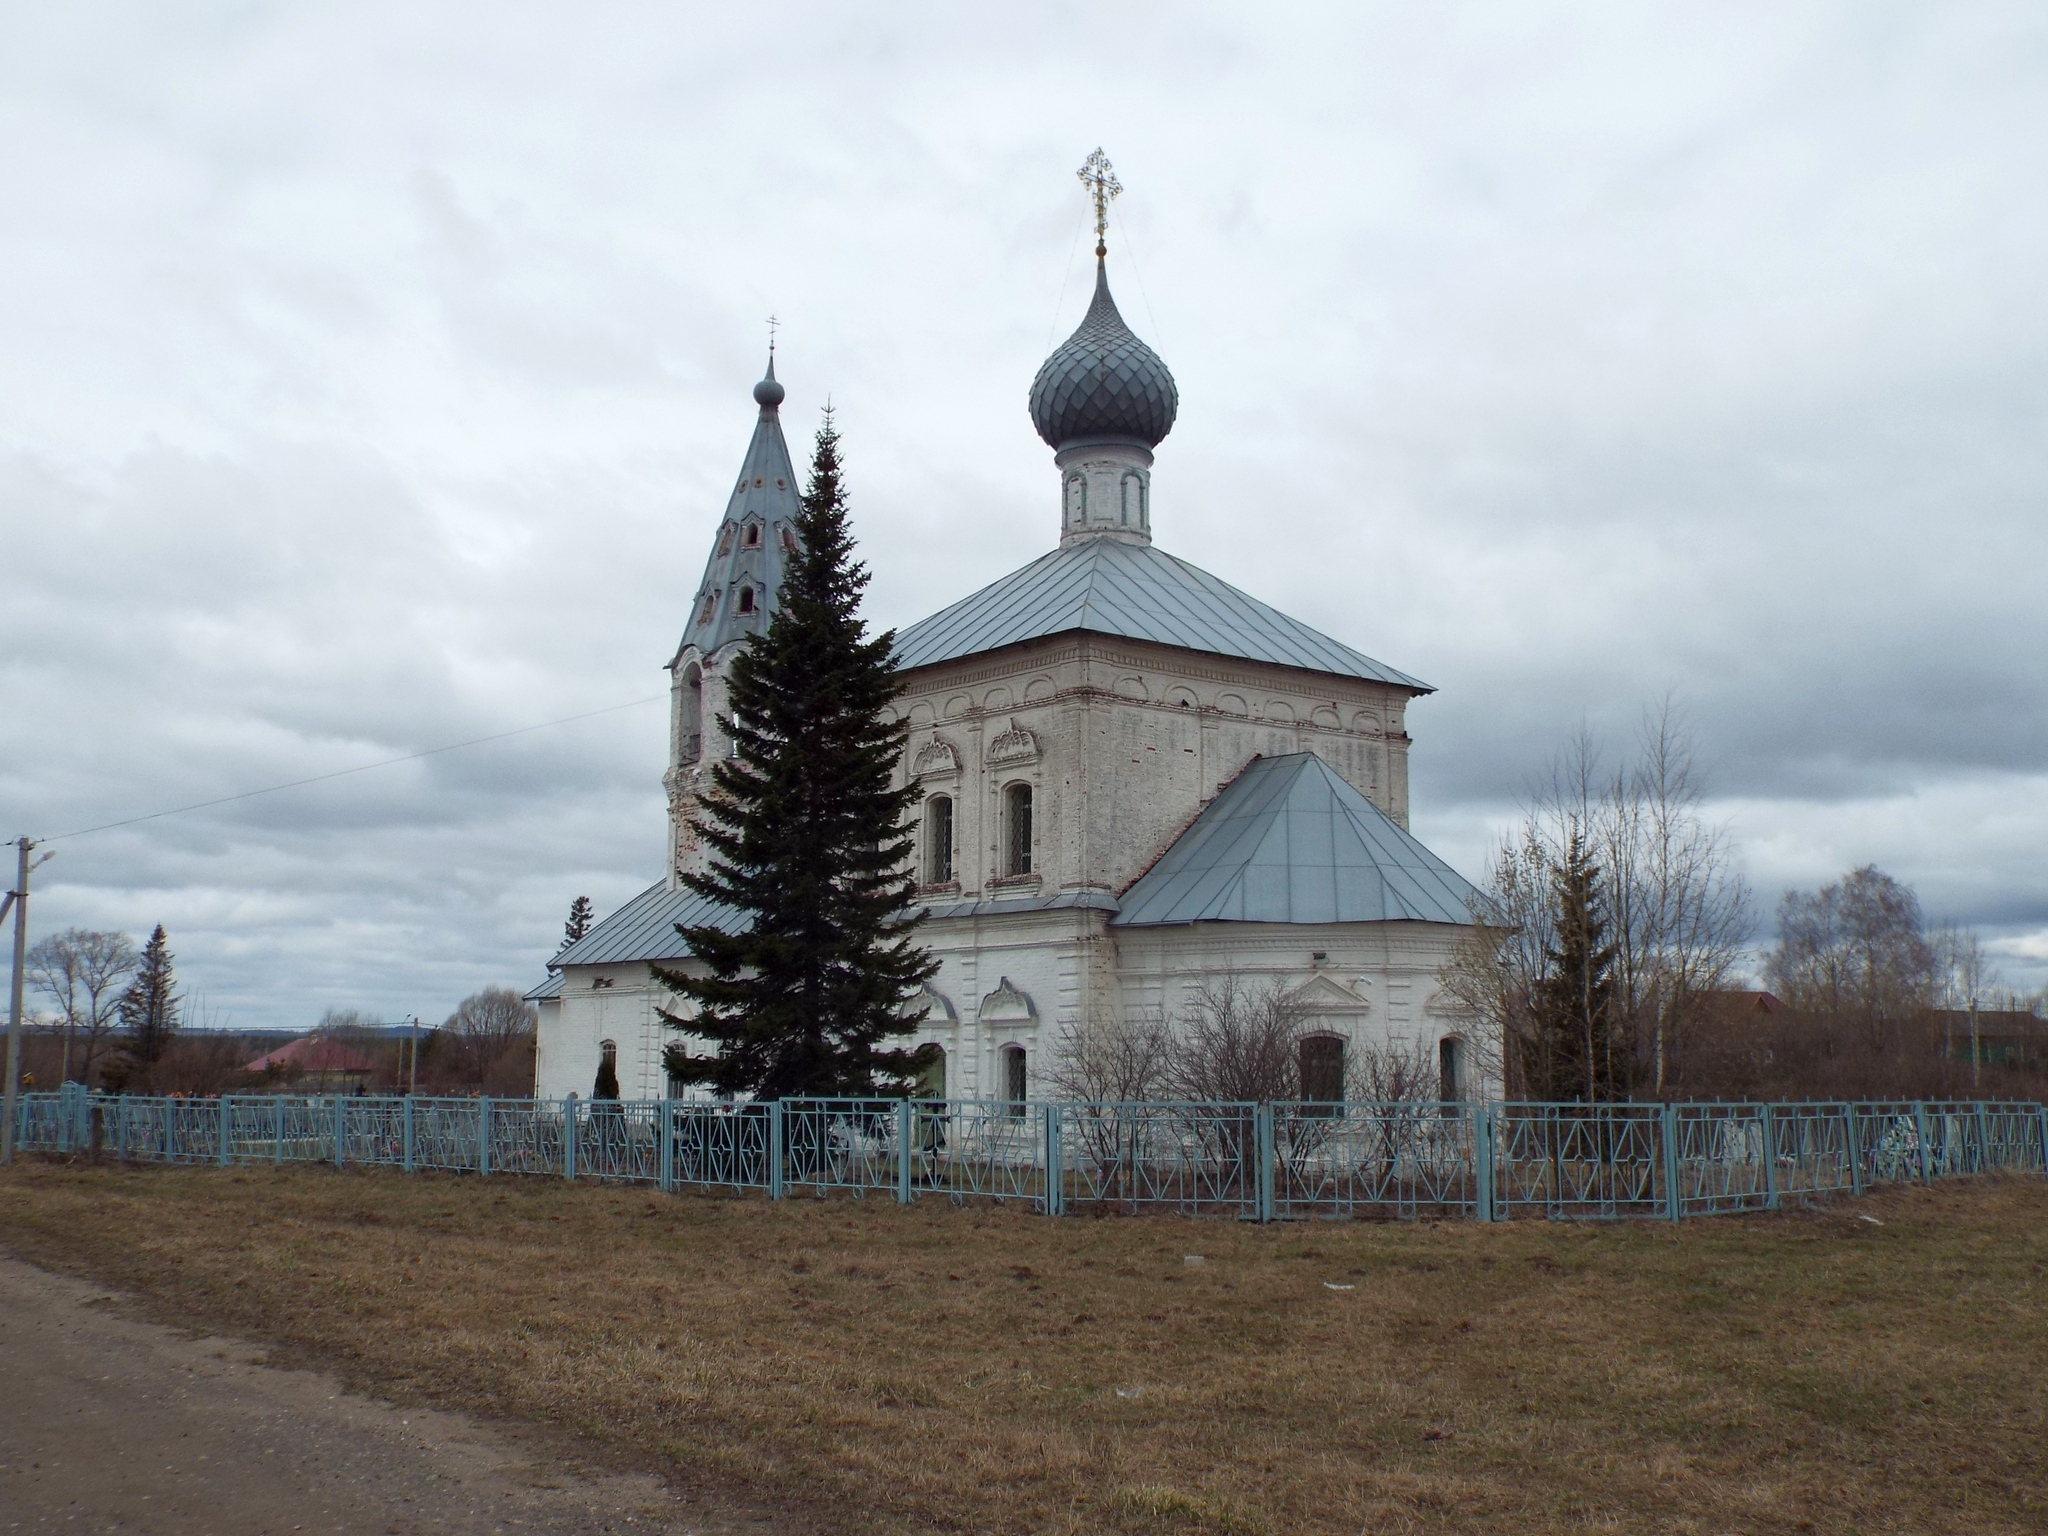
765,501
552,987
645,928
1063,901
1111,586
1288,841
1103,384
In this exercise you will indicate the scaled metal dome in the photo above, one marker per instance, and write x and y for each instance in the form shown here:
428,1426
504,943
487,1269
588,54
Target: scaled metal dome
1103,384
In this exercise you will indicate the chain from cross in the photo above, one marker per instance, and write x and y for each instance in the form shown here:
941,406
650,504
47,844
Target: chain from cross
1099,177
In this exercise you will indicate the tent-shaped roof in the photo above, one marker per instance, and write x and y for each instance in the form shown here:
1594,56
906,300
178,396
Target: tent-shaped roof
1114,587
1288,841
763,506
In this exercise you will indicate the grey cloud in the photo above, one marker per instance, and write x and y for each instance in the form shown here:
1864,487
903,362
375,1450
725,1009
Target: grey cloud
374,383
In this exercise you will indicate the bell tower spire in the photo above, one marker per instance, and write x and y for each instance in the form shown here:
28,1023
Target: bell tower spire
742,580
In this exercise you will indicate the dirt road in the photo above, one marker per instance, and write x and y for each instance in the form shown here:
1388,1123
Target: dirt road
112,1425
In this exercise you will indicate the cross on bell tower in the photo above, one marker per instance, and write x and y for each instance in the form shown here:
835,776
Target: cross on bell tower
1099,177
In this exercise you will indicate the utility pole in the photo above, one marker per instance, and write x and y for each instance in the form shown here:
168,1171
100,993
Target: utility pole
413,1038
17,899
1976,1047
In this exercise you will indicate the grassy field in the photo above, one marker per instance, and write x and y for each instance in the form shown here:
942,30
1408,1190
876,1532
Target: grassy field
934,1368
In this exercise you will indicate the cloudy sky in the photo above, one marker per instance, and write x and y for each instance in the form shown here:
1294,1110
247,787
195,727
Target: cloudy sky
372,375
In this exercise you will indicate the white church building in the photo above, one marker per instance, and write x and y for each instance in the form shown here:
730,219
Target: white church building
1134,778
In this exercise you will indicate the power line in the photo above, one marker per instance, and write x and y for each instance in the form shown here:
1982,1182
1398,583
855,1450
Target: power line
342,773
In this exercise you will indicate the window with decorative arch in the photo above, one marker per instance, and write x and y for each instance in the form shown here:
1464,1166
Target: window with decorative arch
1017,829
690,728
746,599
938,840
1452,1070
1321,1060
1016,1078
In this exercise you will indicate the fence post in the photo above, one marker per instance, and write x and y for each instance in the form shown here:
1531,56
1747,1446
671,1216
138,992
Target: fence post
121,1128
2041,1115
1920,1132
340,1131
1262,1130
1674,1197
1053,1177
410,1164
170,1131
665,1144
570,1133
775,1149
1983,1139
1482,1161
226,1122
1770,1138
1855,1150
483,1136
903,1151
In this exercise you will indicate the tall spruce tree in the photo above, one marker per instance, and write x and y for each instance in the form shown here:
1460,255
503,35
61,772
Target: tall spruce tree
580,915
810,842
1574,1050
149,1008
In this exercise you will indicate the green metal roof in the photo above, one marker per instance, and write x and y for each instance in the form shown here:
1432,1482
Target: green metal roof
1289,841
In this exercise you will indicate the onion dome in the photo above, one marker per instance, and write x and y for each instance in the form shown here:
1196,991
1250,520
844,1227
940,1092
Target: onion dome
1103,384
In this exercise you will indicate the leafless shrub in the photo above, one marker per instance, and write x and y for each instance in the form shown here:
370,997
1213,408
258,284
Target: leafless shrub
1390,1072
1112,1060
1237,1043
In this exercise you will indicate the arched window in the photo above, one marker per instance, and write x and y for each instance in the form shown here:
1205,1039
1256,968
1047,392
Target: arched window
1132,513
1077,498
938,840
1016,1078
788,542
725,541
753,536
746,599
710,609
931,1081
690,729
1017,830
1322,1068
1451,1086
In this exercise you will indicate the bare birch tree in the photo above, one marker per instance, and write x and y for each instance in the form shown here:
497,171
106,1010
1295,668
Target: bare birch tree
1679,907
84,972
1682,910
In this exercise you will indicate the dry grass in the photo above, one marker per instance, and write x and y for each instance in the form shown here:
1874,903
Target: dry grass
933,1368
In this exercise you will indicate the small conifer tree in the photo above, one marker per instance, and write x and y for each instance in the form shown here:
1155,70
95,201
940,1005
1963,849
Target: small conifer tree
1574,1050
810,843
580,915
149,1008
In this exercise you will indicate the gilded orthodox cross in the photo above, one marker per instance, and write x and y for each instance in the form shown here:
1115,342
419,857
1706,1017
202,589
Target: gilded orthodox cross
1099,177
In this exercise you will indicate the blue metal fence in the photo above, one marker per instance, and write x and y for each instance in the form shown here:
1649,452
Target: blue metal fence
1260,1162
